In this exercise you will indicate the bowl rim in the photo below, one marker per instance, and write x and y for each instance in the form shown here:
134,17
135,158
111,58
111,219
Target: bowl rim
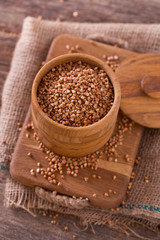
76,57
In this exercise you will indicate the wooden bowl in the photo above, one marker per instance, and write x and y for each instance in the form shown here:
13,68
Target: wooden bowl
74,141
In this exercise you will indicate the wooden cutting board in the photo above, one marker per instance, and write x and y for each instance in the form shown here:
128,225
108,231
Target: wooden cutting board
76,186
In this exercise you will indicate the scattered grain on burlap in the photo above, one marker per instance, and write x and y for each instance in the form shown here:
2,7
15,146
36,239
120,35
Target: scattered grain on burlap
30,51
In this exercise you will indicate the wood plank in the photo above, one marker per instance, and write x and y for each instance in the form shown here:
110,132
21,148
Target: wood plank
7,45
76,186
89,11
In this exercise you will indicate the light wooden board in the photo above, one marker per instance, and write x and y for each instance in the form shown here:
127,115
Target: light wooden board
76,186
139,78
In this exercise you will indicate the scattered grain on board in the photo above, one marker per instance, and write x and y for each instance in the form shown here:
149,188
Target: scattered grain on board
66,228
75,14
19,124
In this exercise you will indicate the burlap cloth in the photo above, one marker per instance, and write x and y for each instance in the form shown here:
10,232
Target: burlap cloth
143,204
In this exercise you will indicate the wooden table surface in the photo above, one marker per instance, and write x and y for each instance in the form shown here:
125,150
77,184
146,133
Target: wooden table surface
17,224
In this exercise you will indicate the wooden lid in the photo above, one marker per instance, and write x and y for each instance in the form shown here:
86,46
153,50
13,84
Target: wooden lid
139,78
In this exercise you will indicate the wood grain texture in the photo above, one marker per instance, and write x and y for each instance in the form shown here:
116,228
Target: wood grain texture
76,186
16,224
7,44
89,11
137,105
96,49
74,141
151,84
